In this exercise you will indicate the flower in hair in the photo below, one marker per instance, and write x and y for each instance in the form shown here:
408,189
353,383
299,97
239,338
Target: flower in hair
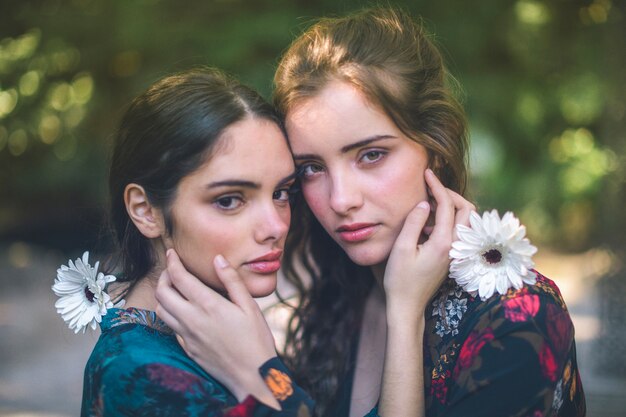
83,299
492,255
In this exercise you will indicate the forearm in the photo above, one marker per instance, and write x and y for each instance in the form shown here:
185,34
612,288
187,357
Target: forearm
402,391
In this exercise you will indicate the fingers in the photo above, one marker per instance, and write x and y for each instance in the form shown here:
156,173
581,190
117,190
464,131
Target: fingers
189,286
444,214
181,342
169,300
237,290
413,225
463,208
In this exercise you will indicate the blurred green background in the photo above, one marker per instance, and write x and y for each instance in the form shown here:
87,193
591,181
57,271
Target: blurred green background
544,86
543,82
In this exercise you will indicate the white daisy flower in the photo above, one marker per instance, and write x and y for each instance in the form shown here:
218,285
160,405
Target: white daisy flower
492,255
83,300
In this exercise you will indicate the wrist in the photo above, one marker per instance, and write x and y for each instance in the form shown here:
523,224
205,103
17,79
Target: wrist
410,320
254,385
243,379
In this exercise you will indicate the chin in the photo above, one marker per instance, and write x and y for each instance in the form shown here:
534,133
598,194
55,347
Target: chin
261,286
367,256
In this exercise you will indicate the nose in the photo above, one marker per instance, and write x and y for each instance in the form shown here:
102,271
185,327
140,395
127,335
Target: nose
272,224
345,195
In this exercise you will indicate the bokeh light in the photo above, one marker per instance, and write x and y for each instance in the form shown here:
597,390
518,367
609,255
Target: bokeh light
532,12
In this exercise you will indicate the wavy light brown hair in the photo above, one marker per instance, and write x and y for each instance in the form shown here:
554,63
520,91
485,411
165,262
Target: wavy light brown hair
392,60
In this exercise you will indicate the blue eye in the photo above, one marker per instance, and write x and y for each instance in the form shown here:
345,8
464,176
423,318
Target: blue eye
229,202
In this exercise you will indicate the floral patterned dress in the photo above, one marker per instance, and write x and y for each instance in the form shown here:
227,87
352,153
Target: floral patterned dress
137,368
511,355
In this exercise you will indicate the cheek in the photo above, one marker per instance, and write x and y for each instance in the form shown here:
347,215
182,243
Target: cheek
315,198
400,189
197,242
285,215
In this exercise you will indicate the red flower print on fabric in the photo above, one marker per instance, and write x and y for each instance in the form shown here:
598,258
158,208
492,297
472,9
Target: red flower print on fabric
173,379
472,346
439,389
559,328
244,409
549,283
521,308
548,363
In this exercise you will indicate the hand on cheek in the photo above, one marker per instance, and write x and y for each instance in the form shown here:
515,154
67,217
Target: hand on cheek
418,265
228,338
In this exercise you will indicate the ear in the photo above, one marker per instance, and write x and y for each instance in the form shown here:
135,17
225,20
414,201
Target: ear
148,219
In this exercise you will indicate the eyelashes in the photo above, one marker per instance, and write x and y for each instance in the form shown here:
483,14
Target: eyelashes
366,158
372,156
229,202
309,169
233,202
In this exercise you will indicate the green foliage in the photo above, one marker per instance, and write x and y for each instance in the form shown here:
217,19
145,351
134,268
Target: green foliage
543,83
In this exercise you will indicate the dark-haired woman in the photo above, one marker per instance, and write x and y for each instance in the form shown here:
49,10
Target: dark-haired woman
372,124
200,167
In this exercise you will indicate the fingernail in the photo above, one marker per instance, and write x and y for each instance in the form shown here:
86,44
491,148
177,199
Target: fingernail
430,171
168,252
424,205
221,262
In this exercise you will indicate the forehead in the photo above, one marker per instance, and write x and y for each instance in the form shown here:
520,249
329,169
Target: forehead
339,111
252,148
334,98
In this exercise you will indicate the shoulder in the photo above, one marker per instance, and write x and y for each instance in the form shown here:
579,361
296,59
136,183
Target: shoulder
133,345
131,359
146,377
546,288
536,313
524,303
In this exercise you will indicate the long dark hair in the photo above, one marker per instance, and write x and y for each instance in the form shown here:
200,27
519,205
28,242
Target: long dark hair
391,59
167,133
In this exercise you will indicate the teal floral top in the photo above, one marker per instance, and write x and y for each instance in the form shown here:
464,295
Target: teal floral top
137,368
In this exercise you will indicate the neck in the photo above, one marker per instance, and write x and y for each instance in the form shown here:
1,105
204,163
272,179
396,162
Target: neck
142,295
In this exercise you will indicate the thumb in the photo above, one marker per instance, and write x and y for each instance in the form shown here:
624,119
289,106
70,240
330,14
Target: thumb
413,225
237,291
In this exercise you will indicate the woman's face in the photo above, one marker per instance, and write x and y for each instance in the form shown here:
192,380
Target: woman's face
361,175
237,205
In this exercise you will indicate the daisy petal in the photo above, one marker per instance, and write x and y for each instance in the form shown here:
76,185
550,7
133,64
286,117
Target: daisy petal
509,254
82,297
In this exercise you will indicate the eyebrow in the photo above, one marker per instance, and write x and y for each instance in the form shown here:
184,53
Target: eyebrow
247,184
351,146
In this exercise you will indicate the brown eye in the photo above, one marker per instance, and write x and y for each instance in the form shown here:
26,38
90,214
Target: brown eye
229,202
281,195
372,156
309,170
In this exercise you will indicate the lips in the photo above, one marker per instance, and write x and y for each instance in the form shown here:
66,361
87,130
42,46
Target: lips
266,264
356,232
